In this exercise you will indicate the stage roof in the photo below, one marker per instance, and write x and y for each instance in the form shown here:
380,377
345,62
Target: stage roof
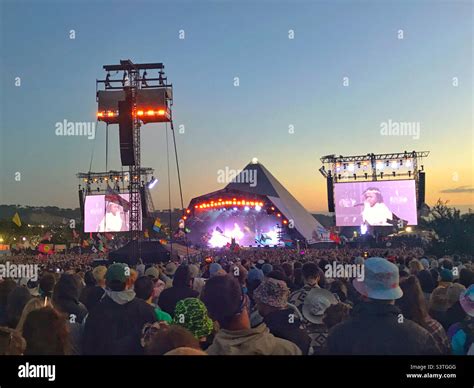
267,185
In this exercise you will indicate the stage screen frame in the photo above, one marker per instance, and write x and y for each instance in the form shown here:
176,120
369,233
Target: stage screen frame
356,202
94,214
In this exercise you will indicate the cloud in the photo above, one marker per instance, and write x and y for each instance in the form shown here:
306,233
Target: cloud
460,189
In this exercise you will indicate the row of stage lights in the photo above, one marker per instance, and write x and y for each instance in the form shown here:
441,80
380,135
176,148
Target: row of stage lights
233,202
140,113
366,175
107,179
380,165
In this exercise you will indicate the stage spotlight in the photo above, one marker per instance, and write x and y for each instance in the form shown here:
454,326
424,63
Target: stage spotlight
408,163
323,172
351,167
285,222
363,229
246,208
394,164
278,215
235,209
258,208
152,183
379,166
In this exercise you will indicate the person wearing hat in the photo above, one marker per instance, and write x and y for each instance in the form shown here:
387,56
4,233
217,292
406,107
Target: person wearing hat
376,326
271,298
229,306
198,281
114,325
461,334
315,304
116,215
168,273
158,285
191,313
438,303
181,289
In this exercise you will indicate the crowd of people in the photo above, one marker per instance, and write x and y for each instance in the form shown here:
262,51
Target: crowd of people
245,302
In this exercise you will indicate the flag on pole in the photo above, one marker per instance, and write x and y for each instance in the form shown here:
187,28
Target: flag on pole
16,219
46,248
157,225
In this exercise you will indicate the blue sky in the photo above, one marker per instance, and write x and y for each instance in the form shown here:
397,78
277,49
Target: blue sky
282,82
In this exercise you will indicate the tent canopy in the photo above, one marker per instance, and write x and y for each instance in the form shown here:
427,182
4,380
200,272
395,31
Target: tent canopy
151,252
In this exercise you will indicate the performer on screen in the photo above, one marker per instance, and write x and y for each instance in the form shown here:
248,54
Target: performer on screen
375,212
116,215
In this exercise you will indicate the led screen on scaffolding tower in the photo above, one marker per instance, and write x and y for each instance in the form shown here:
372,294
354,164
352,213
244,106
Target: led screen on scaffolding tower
107,213
378,203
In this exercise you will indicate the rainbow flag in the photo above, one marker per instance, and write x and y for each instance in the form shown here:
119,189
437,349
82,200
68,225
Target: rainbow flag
157,225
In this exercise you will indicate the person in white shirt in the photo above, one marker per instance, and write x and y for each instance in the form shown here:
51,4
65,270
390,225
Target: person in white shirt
114,220
375,212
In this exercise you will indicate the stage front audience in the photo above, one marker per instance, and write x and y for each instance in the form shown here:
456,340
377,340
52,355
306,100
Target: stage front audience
229,306
377,326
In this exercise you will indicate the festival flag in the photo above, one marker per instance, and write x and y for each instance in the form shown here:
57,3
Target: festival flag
16,219
46,248
157,225
101,246
335,237
102,238
85,244
94,249
146,234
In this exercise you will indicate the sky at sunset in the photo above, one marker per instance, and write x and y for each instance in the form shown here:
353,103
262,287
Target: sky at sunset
426,77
